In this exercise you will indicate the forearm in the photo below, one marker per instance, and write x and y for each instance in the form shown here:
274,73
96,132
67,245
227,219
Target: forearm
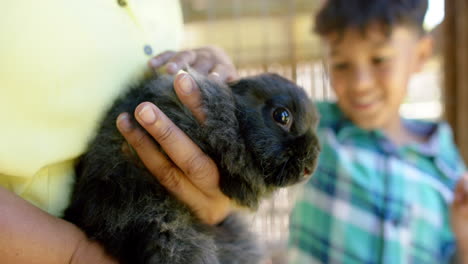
29,235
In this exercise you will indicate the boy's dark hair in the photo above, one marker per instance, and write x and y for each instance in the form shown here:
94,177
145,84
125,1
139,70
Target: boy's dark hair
336,16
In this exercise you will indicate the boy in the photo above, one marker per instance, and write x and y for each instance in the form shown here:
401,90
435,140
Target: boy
383,186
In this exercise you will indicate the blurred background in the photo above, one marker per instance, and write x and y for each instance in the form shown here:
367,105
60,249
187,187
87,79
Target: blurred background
276,36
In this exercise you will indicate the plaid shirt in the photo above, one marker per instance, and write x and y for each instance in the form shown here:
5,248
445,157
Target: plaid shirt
370,201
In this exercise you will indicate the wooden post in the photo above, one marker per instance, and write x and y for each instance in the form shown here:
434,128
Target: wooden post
456,70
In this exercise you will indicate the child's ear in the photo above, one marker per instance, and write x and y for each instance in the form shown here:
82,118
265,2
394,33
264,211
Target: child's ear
424,51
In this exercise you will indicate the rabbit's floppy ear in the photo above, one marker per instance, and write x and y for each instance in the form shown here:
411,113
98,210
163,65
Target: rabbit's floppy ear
241,86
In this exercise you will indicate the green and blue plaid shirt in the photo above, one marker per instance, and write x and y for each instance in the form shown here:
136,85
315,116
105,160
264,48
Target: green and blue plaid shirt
370,201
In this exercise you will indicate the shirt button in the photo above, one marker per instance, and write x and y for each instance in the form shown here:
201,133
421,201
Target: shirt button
148,50
122,2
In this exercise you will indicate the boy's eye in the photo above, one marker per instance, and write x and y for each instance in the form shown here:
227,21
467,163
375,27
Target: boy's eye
341,66
378,60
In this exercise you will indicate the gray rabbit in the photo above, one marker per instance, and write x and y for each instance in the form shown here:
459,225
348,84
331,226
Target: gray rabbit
260,133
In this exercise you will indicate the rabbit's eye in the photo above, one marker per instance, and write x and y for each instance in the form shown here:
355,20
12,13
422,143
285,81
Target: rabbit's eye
283,117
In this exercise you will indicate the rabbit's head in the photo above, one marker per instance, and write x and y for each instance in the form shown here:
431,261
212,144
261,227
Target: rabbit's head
277,123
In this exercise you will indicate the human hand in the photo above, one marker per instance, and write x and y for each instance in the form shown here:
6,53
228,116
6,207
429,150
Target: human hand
209,60
459,214
190,175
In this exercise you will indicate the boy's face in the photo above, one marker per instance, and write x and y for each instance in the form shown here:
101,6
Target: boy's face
370,72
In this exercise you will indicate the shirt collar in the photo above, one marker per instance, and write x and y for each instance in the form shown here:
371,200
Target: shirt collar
439,147
439,136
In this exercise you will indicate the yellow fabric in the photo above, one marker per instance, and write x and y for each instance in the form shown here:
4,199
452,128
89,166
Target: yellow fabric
62,63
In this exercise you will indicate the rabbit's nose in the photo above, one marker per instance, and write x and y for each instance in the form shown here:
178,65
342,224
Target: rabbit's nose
307,171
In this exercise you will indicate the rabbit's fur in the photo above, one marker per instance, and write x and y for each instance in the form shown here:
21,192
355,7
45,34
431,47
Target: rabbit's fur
117,202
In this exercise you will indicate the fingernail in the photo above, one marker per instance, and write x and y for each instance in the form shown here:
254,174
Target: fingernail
171,67
185,83
215,76
123,122
147,115
154,62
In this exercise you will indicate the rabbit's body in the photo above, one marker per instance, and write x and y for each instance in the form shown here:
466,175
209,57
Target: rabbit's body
120,204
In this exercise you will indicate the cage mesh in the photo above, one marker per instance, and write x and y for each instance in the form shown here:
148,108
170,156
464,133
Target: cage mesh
275,36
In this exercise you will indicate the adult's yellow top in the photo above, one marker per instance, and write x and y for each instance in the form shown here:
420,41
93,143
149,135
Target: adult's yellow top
62,62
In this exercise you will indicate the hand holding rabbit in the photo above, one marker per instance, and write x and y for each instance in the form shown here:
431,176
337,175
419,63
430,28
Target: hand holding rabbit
259,132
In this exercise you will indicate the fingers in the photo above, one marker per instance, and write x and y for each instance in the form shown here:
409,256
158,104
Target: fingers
191,176
161,59
174,61
167,173
225,73
189,94
181,61
185,154
148,151
205,60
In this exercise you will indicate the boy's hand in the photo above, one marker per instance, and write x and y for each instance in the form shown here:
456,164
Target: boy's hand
460,215
189,174
209,60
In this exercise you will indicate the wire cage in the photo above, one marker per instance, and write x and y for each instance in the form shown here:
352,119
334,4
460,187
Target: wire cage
263,36
276,36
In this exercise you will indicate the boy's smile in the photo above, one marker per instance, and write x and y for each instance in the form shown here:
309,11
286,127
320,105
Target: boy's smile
370,71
